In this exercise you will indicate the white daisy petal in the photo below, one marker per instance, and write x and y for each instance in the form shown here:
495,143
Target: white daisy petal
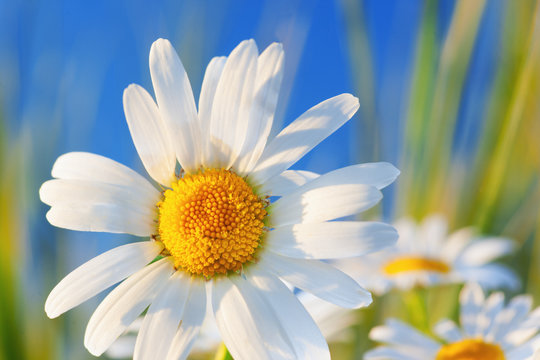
493,305
510,317
398,333
456,242
122,348
149,134
162,319
98,274
269,76
525,329
92,167
378,175
206,101
323,203
122,306
491,276
330,240
333,321
318,278
92,206
287,182
248,325
432,234
305,336
471,299
302,135
176,103
526,351
448,331
387,353
232,103
192,320
482,251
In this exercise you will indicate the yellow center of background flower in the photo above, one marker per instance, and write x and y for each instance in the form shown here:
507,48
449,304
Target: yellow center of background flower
412,263
470,349
211,222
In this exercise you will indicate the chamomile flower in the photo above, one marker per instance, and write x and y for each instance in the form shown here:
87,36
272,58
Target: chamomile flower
489,331
426,255
212,231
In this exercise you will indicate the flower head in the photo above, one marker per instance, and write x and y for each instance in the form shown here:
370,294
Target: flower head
214,236
489,331
426,255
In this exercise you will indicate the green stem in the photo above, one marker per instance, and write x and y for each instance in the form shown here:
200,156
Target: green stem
415,302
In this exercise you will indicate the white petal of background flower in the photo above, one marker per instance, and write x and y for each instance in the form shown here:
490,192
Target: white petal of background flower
98,274
471,299
492,306
149,134
318,278
485,250
448,331
526,329
302,135
386,353
395,332
432,234
491,276
515,312
124,304
330,240
176,103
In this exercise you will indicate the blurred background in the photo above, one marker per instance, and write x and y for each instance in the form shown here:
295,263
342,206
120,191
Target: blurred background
449,93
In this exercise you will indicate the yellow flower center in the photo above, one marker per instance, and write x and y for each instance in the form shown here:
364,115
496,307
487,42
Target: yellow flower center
412,263
211,222
470,349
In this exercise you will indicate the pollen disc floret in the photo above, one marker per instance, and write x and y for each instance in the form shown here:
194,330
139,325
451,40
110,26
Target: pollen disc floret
414,263
211,222
470,349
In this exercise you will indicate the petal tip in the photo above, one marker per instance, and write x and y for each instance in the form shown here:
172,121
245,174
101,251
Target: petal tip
50,311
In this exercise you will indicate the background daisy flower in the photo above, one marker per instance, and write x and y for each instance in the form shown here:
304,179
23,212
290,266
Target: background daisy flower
427,255
212,227
489,330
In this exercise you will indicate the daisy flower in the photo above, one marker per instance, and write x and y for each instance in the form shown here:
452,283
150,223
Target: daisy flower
211,229
489,331
426,255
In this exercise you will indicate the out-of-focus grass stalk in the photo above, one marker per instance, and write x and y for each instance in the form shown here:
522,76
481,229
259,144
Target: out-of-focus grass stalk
533,277
454,62
11,344
499,162
432,117
419,104
367,139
